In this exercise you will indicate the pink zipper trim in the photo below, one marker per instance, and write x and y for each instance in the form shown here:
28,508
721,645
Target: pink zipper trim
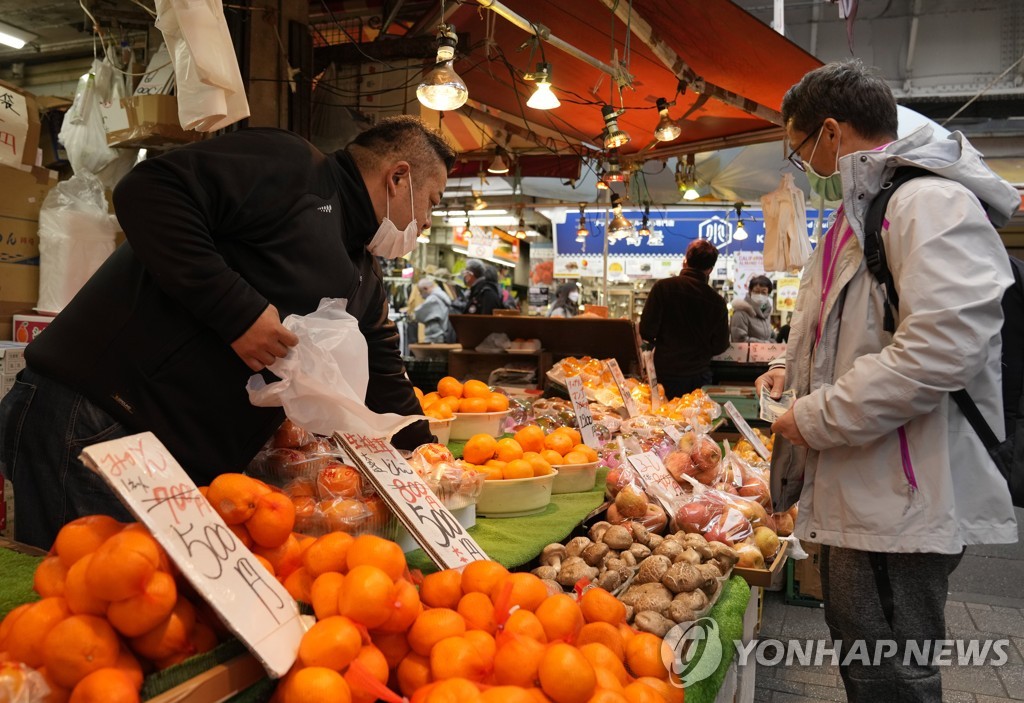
908,466
828,266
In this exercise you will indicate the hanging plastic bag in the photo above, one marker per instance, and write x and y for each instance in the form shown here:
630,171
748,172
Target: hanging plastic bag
324,377
210,91
76,235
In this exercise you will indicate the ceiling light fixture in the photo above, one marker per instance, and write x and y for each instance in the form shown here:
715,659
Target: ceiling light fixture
442,89
14,37
740,233
686,178
619,227
614,172
521,229
542,98
582,231
614,137
667,129
498,163
645,230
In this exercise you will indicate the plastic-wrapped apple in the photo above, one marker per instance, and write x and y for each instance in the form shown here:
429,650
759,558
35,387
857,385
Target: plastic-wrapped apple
694,516
755,487
655,520
290,436
767,541
631,502
687,441
679,464
611,481
751,509
725,487
784,524
750,557
705,454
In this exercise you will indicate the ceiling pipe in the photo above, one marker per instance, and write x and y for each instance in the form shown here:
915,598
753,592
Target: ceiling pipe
544,34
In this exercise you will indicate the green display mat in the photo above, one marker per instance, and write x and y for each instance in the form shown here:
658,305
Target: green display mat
16,572
728,613
514,541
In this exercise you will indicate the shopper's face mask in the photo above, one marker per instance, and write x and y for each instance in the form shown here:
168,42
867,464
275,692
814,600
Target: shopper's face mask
829,187
574,297
762,301
389,241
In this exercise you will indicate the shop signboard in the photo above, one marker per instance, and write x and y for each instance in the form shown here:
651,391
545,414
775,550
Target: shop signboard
748,434
657,480
620,381
748,265
652,380
247,597
672,231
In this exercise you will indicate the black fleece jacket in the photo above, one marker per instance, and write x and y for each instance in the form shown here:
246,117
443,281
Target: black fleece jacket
216,231
688,323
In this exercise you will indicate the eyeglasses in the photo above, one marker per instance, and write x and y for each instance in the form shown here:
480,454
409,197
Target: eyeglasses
794,157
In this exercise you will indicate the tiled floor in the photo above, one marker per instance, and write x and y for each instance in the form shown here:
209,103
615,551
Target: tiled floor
986,601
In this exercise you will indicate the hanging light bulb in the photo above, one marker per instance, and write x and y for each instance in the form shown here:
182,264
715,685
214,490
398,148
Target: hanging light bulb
498,164
740,233
613,137
542,98
645,230
582,231
691,193
614,172
602,184
686,179
521,229
443,89
619,227
667,129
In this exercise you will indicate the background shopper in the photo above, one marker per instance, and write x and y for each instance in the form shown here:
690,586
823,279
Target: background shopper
687,322
752,314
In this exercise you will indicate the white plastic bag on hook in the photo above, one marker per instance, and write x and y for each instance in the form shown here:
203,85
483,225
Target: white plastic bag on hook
85,138
210,91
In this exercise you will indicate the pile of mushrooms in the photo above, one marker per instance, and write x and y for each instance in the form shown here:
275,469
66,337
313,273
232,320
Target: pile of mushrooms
667,580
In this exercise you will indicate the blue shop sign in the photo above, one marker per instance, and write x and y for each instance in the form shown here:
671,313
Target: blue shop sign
671,232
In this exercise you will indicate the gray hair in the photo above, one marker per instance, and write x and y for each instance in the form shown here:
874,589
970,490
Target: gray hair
425,284
848,92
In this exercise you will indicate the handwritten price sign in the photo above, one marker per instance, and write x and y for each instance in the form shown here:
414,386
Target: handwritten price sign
620,381
652,378
584,419
745,430
157,490
430,523
656,478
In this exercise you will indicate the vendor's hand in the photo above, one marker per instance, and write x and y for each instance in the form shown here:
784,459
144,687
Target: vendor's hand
786,426
774,379
265,341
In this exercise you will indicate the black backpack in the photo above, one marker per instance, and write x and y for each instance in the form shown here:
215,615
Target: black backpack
1008,455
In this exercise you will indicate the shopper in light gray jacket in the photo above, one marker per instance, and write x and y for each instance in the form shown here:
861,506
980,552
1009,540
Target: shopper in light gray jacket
432,313
891,478
751,315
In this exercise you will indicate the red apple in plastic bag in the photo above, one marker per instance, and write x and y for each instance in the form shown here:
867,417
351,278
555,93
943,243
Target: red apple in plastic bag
706,455
290,436
679,464
695,515
631,502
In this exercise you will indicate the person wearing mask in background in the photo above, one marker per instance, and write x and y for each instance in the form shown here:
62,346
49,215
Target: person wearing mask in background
225,238
567,301
687,322
482,296
751,316
892,480
432,313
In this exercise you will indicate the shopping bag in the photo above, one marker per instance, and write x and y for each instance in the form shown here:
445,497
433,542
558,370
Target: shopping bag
324,377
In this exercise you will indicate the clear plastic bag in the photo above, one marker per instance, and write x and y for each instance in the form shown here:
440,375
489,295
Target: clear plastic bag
85,138
456,485
697,456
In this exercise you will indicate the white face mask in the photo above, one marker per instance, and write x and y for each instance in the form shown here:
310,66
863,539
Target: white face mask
574,297
762,301
390,242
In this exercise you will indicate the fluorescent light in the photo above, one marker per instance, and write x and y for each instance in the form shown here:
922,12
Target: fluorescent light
14,37
476,213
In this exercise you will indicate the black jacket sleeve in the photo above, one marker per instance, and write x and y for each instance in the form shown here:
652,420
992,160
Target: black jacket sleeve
176,207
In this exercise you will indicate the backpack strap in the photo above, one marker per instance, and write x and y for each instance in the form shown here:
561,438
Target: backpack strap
874,248
970,410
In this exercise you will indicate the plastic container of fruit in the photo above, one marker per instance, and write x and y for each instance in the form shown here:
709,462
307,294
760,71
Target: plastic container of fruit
465,425
442,429
515,497
575,478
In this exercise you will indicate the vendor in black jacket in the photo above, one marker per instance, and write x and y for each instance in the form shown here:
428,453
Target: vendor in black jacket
687,322
225,238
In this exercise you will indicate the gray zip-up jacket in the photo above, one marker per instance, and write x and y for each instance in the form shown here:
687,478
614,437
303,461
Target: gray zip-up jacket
893,465
433,314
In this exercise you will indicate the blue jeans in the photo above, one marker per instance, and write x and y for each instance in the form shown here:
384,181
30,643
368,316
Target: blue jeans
44,426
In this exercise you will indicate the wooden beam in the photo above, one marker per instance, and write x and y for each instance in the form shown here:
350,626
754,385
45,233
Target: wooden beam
649,36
